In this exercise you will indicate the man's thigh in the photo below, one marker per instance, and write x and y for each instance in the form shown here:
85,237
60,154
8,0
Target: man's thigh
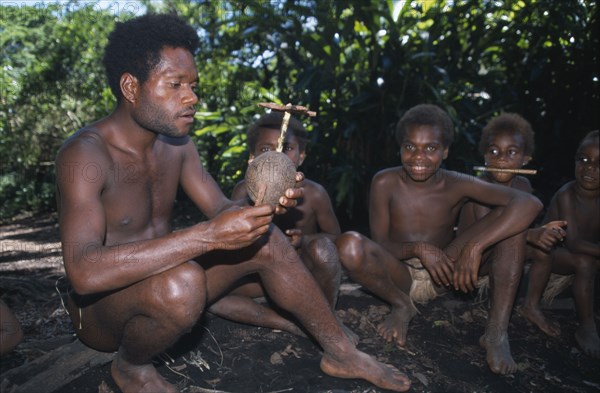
99,320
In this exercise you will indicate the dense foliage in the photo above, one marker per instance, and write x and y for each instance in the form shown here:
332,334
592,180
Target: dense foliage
360,64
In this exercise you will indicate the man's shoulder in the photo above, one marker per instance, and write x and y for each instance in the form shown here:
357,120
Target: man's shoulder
84,141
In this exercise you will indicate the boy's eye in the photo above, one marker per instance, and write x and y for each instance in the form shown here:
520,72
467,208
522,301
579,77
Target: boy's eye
288,148
512,152
175,84
493,152
265,148
409,147
431,148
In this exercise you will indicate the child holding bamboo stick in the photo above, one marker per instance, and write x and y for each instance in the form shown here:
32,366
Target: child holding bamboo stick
578,204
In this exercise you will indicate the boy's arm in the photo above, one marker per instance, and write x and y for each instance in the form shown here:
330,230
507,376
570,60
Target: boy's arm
515,211
325,216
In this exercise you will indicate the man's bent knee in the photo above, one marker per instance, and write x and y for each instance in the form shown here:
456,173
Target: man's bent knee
182,294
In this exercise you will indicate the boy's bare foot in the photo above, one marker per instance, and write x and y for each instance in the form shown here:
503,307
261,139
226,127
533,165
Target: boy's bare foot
143,379
535,316
360,365
395,326
498,354
588,340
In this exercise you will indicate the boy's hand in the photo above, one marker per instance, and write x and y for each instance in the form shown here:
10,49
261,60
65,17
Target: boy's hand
295,236
437,263
466,269
291,196
547,235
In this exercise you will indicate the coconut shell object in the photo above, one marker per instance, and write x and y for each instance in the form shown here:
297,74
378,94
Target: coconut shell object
268,176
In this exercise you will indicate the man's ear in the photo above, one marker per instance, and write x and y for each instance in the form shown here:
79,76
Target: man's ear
445,153
129,87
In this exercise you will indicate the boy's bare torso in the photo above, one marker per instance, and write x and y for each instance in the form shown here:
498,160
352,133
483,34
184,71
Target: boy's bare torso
425,211
577,210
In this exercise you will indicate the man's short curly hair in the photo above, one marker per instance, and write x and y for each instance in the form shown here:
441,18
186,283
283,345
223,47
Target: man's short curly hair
134,46
273,120
508,122
426,115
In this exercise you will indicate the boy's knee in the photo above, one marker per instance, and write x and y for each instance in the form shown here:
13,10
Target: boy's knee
351,250
323,253
585,264
183,294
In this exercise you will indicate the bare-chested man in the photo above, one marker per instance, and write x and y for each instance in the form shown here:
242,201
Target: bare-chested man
413,210
135,286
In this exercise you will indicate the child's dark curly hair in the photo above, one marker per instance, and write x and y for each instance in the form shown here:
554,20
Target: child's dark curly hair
590,135
134,46
273,120
511,122
426,115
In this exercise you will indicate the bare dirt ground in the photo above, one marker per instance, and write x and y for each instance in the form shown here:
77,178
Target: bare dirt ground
442,354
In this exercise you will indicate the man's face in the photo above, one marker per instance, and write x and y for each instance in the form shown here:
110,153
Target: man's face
422,152
165,102
267,141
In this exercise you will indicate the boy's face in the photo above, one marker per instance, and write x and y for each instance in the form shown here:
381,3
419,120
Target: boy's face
505,150
587,166
422,152
267,141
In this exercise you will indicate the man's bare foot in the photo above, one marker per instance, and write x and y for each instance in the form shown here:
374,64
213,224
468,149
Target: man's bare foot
362,366
143,379
498,354
395,325
535,316
588,340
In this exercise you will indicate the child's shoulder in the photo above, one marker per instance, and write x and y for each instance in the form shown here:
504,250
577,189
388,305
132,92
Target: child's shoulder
388,172
566,189
312,189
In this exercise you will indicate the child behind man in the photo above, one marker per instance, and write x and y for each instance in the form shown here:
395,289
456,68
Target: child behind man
413,209
311,225
578,204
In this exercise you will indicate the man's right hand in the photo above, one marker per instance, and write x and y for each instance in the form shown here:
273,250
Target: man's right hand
238,227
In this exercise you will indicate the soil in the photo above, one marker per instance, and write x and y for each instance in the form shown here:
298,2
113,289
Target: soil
442,353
